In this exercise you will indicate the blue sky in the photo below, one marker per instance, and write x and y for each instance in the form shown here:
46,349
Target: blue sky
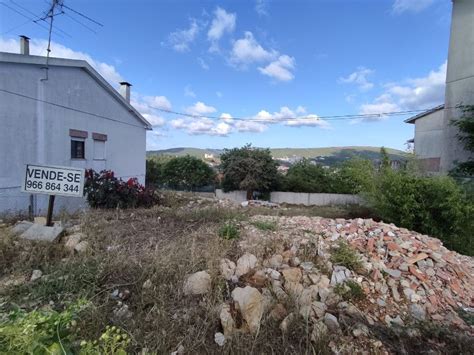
261,61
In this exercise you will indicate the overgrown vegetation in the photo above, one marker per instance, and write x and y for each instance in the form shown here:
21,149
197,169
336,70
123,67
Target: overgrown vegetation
180,173
104,190
266,225
229,230
344,255
40,331
436,205
350,291
249,169
465,124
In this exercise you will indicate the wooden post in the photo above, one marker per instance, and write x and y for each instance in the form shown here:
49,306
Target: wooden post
49,217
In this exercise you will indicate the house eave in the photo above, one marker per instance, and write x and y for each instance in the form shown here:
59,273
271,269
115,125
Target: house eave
74,63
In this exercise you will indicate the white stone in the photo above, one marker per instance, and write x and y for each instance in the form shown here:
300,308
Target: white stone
331,322
245,263
198,283
73,240
250,303
36,274
219,338
227,321
81,247
227,268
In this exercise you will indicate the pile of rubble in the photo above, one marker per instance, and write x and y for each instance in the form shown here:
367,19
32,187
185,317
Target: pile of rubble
288,273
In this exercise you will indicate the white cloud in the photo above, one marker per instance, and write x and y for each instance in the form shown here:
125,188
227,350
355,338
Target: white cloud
158,102
223,22
247,50
226,117
401,6
261,7
291,118
38,47
280,69
411,94
359,78
203,63
188,91
201,126
200,109
155,120
308,121
180,40
250,126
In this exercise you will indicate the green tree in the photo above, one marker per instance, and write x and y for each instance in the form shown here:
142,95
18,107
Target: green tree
305,176
154,169
384,159
247,168
465,124
187,173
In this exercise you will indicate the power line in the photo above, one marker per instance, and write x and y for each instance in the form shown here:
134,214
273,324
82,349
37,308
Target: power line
79,22
82,15
68,108
32,20
283,119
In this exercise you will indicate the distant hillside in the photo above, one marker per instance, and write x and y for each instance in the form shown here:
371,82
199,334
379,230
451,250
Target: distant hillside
326,156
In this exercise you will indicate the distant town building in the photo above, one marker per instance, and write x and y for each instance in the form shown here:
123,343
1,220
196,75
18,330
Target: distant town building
436,142
62,112
209,156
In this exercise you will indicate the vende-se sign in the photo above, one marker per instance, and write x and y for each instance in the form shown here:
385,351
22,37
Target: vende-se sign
54,180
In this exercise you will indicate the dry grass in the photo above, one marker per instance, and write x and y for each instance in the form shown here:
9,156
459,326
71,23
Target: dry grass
163,245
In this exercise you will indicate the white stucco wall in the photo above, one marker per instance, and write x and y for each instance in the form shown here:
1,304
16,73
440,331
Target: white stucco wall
429,135
36,132
459,80
297,198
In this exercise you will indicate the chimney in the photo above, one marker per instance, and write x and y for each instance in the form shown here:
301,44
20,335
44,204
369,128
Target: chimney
24,45
125,90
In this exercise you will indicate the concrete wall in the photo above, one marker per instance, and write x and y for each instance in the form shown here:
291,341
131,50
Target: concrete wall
428,135
459,80
296,198
314,199
36,132
237,196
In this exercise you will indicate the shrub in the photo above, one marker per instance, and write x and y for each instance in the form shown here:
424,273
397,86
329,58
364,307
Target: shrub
265,225
187,173
349,291
113,341
229,230
39,331
344,255
436,206
104,190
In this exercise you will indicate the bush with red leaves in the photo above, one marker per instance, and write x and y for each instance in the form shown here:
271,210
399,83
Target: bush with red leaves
104,190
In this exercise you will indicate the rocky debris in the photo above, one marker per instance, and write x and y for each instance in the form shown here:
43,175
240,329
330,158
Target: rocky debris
121,312
147,284
249,302
198,283
179,351
403,277
219,339
73,240
227,268
82,246
245,263
36,275
259,203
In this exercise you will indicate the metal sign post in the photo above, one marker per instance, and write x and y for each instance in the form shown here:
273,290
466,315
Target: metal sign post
52,181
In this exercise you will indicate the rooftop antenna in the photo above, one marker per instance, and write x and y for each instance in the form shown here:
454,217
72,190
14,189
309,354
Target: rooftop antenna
50,14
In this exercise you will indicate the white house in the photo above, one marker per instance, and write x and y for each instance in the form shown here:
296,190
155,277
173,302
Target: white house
436,141
62,112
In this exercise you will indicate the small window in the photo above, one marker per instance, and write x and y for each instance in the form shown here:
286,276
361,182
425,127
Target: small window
99,150
77,149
